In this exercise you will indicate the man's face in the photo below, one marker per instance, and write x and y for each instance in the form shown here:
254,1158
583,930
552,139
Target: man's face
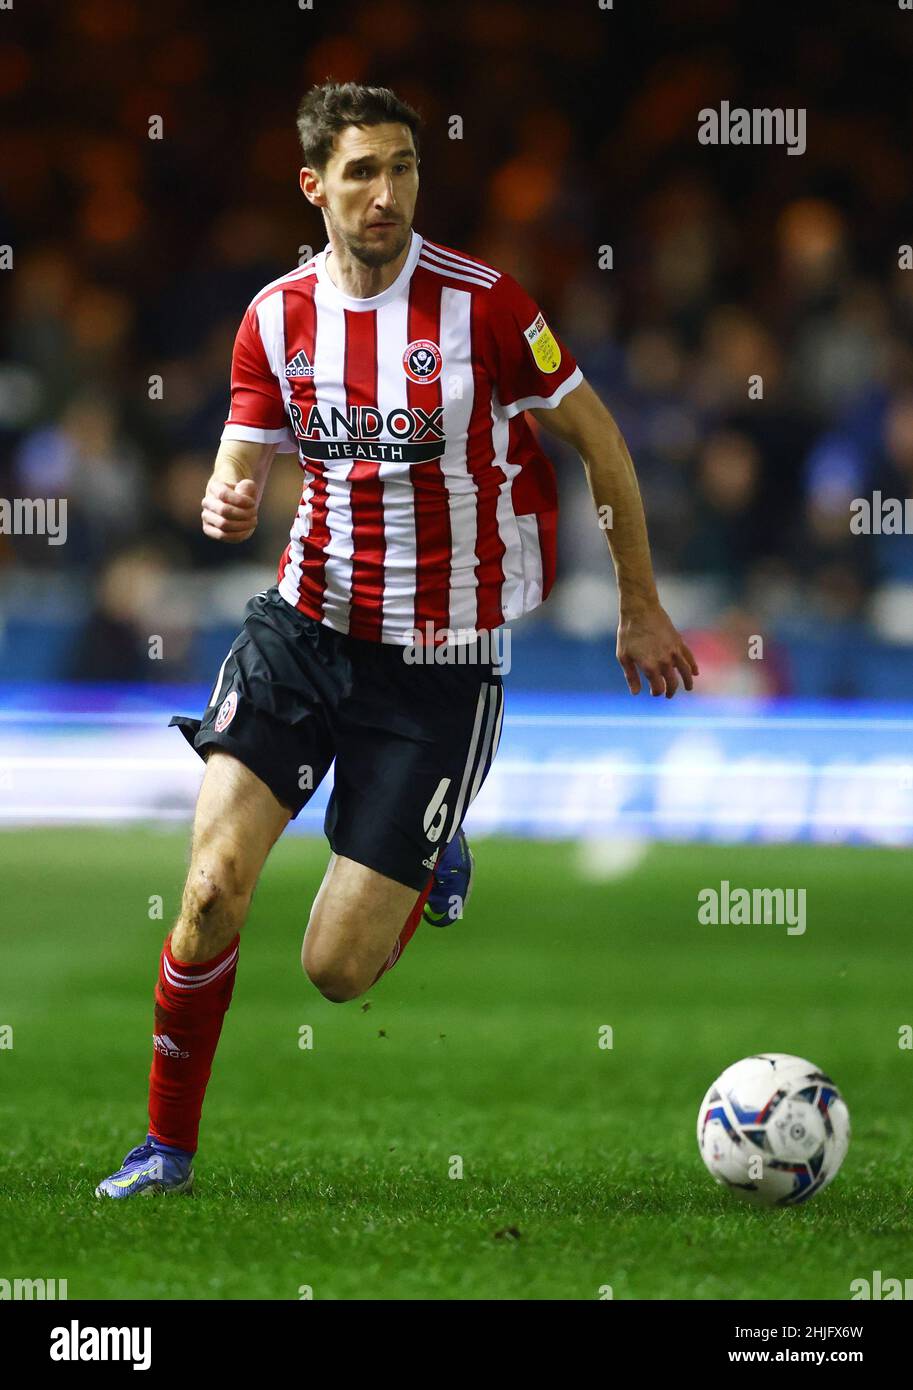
368,190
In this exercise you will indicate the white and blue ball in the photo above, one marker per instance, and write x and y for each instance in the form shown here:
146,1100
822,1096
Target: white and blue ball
773,1129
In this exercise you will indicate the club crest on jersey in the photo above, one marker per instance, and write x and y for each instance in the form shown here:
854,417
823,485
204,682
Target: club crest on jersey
422,361
299,366
227,711
542,345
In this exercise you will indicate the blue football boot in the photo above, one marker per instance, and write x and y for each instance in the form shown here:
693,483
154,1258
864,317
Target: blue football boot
148,1170
452,883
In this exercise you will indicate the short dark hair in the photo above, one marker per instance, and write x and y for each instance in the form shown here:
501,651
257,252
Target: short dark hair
329,108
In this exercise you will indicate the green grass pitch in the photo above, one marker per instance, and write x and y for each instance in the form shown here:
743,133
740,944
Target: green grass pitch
330,1168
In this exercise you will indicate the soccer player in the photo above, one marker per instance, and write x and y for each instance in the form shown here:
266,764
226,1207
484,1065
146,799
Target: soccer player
400,372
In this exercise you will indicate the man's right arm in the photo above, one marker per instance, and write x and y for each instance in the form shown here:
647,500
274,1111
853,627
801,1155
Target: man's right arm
229,508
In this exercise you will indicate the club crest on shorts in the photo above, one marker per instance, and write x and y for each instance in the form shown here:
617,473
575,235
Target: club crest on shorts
226,711
422,361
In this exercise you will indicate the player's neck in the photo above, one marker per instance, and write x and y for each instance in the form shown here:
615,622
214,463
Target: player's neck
359,281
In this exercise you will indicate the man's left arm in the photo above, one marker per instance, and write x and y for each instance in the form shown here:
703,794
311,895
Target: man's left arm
647,637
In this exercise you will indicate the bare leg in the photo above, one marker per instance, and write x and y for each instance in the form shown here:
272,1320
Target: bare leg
355,922
238,820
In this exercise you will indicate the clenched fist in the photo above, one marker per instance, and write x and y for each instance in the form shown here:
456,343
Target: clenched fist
230,511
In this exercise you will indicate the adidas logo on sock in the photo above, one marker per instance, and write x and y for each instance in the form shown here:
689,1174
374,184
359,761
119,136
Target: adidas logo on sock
299,366
163,1044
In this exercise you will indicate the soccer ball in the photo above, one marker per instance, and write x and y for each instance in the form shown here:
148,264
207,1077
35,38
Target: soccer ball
773,1129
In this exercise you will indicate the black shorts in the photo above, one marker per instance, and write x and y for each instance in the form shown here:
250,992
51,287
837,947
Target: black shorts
413,743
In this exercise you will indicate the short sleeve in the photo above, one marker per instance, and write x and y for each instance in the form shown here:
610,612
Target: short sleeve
257,411
533,368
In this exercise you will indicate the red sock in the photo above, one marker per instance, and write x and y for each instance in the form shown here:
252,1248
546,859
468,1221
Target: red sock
190,1005
408,931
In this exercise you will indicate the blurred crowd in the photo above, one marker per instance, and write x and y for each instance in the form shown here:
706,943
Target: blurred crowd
134,259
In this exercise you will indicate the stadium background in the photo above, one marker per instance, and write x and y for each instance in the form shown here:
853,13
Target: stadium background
136,258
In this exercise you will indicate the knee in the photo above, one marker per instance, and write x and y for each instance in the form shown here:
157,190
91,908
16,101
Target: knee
338,980
214,891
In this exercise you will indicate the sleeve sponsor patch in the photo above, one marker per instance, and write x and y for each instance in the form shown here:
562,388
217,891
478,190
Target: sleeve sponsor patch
542,345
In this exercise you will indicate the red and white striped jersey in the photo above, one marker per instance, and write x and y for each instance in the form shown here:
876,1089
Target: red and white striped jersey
426,498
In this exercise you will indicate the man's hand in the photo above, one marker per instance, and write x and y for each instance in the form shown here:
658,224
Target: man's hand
230,511
648,639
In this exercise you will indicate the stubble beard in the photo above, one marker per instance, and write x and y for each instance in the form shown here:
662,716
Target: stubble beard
376,256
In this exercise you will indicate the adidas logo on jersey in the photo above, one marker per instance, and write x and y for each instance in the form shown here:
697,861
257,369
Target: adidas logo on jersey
162,1043
299,366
